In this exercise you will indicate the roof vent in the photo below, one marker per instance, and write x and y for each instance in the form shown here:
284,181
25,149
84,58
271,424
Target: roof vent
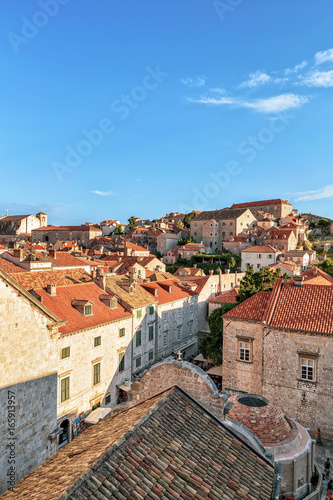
252,400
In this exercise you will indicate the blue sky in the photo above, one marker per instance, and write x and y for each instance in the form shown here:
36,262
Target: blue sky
111,109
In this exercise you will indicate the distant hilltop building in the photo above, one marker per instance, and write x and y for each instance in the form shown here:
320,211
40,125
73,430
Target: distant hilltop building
277,207
51,234
13,225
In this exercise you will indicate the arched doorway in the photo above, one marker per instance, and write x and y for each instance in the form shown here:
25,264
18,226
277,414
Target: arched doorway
64,438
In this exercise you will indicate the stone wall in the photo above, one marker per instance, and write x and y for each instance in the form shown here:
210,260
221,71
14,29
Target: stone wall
242,375
28,414
190,378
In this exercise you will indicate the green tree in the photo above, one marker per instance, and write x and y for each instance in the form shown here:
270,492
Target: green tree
327,266
188,217
179,226
131,222
323,222
211,343
253,283
118,230
184,241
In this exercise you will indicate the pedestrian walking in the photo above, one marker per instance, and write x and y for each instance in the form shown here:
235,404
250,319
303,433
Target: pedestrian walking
327,466
318,438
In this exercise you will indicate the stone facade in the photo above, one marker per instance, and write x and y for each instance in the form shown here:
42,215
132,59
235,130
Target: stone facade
51,234
215,227
273,370
177,327
279,208
28,379
79,366
190,378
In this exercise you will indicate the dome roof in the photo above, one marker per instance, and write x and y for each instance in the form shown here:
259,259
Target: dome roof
264,419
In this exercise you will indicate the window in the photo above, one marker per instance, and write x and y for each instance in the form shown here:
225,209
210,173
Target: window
307,369
151,333
108,399
139,313
230,233
138,362
210,234
179,313
114,303
151,310
151,355
165,341
270,255
191,308
138,338
87,309
190,328
179,333
223,233
245,351
97,341
165,317
121,360
122,332
65,352
230,223
259,255
195,233
139,272
97,373
64,389
258,266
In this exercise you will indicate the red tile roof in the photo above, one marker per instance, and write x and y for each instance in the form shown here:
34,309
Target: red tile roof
252,309
178,291
40,279
10,267
276,201
299,308
260,249
229,297
61,305
67,228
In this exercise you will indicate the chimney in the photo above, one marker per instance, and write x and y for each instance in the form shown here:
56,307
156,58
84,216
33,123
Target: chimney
227,271
195,265
51,289
211,272
314,271
132,273
18,253
53,253
298,281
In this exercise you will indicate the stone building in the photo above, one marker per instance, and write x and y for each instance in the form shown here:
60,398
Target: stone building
281,239
258,256
279,344
212,228
12,226
176,319
51,234
277,207
28,382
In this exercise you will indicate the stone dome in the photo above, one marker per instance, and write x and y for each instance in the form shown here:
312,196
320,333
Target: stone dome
265,420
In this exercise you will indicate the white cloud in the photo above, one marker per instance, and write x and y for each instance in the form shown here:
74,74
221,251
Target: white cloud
256,79
317,79
274,104
281,80
296,68
104,193
324,56
197,81
326,192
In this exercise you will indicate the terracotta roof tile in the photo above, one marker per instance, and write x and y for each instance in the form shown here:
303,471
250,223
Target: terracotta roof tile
166,447
276,201
229,297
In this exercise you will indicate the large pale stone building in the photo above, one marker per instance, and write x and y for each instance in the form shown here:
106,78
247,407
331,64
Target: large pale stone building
277,207
213,227
12,226
51,234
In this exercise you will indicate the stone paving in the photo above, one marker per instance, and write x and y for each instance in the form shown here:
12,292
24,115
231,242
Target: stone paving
322,452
